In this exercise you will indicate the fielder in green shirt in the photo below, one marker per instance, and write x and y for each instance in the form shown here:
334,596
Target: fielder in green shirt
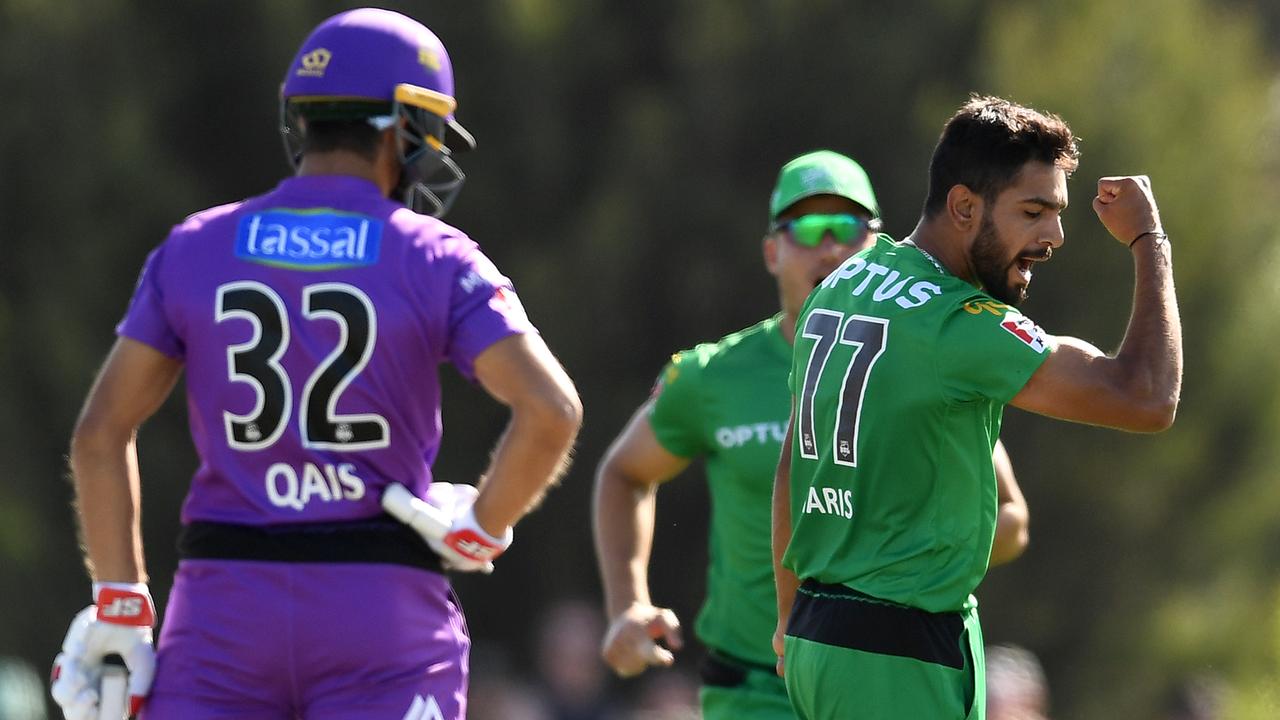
727,402
885,498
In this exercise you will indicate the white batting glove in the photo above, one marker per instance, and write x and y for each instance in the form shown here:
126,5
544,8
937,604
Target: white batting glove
119,622
461,543
467,547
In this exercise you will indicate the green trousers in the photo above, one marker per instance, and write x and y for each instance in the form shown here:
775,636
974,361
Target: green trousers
736,689
853,657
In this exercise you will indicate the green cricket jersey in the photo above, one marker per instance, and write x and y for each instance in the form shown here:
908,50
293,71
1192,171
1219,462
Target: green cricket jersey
900,376
727,402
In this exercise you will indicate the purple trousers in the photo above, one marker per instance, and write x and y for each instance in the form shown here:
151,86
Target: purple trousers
259,640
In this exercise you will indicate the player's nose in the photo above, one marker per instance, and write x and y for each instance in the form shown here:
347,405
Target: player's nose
831,247
1056,235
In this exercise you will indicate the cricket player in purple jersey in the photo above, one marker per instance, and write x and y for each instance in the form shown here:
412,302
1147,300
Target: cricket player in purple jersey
310,321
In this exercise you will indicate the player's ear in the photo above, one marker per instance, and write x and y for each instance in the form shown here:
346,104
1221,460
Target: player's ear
964,208
389,140
770,249
386,162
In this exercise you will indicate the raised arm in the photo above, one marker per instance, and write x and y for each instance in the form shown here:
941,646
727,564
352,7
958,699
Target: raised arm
132,384
1012,516
520,372
1137,389
623,517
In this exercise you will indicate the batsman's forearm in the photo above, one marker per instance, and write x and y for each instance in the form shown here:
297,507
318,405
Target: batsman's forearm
530,457
623,517
1151,352
105,471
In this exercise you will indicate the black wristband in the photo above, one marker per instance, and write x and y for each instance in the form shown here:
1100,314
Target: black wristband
1160,237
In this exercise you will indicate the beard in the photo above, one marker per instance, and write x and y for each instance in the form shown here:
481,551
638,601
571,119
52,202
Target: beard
991,267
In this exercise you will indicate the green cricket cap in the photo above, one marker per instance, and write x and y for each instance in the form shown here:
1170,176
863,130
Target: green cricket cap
822,172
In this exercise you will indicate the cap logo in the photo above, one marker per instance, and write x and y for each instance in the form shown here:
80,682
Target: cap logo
314,63
429,59
814,177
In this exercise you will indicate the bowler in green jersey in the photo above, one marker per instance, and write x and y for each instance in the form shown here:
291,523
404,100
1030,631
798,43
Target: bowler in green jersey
727,402
885,498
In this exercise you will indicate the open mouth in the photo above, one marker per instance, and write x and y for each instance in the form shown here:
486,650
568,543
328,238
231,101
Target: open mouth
1023,266
1025,263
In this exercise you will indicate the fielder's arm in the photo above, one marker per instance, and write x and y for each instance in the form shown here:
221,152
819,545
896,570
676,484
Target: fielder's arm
132,384
520,372
1012,516
622,516
785,582
1138,388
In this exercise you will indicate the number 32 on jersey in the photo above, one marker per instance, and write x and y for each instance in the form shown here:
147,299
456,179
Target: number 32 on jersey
868,337
257,362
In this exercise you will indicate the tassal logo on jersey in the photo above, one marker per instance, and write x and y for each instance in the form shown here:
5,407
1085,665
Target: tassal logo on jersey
759,433
319,239
892,286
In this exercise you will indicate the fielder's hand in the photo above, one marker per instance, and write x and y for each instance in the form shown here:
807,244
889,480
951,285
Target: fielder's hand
630,644
779,648
1126,207
463,545
119,623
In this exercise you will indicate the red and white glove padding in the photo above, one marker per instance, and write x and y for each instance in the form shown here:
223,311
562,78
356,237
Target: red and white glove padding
465,546
119,622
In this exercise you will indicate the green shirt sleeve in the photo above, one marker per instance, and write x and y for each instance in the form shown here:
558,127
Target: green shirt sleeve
987,349
676,414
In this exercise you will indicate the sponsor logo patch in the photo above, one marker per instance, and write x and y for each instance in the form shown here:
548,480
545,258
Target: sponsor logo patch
975,307
429,59
1021,327
314,63
506,300
320,239
814,177
761,433
424,709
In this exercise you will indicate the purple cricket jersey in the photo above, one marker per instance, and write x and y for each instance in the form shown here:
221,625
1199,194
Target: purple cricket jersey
312,320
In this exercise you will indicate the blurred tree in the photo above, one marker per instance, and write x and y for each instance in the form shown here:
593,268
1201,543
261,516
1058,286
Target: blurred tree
1166,544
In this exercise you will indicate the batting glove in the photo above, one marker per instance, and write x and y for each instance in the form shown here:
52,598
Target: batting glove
119,622
464,545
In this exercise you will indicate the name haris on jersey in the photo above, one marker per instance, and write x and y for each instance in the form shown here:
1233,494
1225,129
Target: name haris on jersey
830,501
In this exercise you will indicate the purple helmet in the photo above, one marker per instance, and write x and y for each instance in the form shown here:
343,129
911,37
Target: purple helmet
389,70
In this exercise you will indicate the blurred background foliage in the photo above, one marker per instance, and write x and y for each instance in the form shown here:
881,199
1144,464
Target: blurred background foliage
626,152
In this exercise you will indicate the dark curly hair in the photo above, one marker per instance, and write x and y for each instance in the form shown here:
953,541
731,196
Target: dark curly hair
986,143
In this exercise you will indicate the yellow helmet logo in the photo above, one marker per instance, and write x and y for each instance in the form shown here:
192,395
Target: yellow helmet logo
429,59
314,63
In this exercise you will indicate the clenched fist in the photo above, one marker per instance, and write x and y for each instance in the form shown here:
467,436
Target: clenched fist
1126,207
631,645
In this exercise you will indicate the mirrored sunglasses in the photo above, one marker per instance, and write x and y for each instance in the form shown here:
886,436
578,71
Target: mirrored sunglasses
808,230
